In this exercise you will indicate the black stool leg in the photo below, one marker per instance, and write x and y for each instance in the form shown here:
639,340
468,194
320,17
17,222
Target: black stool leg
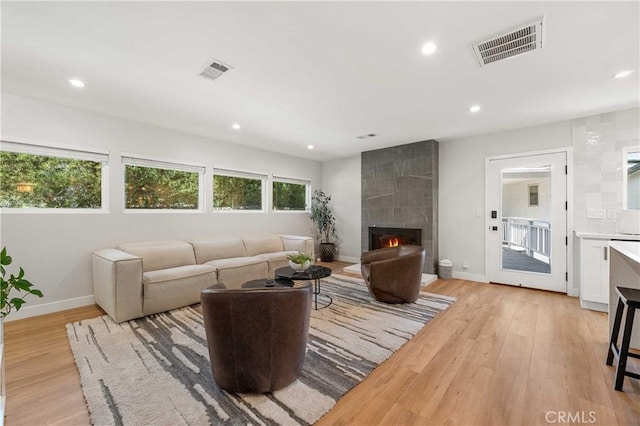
624,348
615,331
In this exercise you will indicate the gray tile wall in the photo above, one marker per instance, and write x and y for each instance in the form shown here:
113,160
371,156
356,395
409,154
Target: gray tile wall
400,189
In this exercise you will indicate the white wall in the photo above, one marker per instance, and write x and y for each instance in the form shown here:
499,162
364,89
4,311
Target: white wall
55,249
342,180
462,188
596,168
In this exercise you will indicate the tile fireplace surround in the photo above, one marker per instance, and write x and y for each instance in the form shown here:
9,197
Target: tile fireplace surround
400,190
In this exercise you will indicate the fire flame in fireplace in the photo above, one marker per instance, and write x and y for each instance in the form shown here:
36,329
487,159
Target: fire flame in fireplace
393,242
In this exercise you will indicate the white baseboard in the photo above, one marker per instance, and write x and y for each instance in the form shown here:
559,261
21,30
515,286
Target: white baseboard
469,276
349,259
594,306
48,308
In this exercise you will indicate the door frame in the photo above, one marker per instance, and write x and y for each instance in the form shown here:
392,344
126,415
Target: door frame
572,290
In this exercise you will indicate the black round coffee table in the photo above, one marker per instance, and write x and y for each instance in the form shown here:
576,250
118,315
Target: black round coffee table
313,273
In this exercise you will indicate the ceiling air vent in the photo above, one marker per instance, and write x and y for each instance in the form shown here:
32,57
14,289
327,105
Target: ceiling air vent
522,39
215,70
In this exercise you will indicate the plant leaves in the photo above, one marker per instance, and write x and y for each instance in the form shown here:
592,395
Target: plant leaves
36,292
17,302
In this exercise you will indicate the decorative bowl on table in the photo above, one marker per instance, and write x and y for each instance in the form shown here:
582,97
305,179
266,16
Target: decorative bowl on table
300,266
299,261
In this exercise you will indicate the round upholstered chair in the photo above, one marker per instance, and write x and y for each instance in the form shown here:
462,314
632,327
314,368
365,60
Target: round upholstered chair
257,337
393,274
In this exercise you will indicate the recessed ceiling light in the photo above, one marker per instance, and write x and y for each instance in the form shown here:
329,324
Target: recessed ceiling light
623,74
474,108
76,83
429,48
235,126
309,146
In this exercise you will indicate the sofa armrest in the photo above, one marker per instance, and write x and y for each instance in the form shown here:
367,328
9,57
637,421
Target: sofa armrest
117,283
298,243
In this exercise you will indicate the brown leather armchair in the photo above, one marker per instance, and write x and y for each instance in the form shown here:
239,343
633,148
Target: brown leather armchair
393,274
257,337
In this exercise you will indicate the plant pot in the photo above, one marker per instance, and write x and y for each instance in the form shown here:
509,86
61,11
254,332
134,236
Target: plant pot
300,266
327,252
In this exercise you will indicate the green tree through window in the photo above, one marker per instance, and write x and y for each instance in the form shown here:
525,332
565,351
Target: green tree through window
236,193
152,188
289,196
40,181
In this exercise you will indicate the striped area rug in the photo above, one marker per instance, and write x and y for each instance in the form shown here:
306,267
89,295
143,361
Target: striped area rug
156,370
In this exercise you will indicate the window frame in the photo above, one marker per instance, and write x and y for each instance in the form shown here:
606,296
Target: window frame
44,149
626,152
298,181
263,177
139,160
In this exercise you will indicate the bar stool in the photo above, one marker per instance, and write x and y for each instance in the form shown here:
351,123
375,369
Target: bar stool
630,298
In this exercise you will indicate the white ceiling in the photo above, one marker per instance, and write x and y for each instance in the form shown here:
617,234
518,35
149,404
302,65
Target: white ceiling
322,73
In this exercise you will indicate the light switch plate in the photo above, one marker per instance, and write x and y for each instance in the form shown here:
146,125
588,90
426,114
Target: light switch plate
596,213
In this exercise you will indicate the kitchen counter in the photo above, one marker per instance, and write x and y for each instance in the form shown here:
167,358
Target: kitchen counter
603,236
624,271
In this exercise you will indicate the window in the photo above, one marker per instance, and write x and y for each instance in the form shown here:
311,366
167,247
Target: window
44,177
238,191
162,185
290,194
533,195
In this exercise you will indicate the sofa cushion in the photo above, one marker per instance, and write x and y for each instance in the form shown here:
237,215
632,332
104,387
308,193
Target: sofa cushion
279,255
217,248
237,271
258,244
175,287
276,260
234,262
297,243
157,255
178,273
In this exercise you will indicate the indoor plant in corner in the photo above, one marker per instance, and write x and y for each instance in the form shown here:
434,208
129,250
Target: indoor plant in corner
14,283
325,223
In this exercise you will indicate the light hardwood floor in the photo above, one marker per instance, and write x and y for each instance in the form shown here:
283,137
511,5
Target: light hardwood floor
499,356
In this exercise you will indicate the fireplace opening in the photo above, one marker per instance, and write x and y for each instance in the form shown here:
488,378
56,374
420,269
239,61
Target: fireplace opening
392,237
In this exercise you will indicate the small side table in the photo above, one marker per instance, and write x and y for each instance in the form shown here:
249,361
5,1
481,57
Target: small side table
313,273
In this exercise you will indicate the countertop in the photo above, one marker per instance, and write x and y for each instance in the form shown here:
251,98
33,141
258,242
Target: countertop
601,236
630,249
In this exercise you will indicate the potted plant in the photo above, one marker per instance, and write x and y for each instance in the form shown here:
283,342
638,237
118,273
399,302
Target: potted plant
325,222
299,261
14,283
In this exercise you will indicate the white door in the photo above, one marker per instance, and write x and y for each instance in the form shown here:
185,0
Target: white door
527,221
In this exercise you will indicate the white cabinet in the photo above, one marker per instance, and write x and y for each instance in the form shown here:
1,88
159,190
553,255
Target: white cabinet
594,274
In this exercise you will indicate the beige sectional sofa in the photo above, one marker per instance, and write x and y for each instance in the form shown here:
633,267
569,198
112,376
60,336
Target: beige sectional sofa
144,278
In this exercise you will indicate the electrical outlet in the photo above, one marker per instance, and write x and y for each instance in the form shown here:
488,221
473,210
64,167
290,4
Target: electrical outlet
465,265
596,213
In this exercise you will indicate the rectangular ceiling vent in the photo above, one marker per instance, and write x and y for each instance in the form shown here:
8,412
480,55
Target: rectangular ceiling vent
215,70
522,39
